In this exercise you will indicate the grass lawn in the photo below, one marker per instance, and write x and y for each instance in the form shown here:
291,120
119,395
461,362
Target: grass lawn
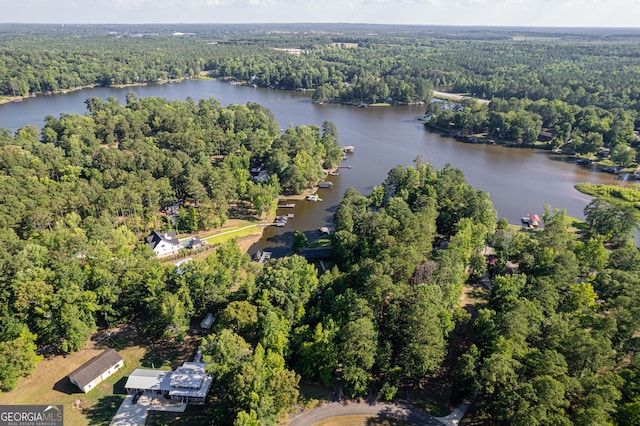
362,421
49,384
242,229
321,242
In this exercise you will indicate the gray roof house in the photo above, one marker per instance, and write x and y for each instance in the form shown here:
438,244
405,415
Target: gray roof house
189,383
164,244
97,369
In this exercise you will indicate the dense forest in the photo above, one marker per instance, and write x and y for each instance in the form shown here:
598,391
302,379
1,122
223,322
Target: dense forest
85,191
581,87
555,341
348,63
586,131
556,338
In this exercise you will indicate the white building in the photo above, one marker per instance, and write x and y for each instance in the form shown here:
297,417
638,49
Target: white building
166,244
97,369
189,383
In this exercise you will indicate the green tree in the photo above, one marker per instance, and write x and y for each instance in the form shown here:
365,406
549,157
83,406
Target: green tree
614,221
300,241
18,358
358,341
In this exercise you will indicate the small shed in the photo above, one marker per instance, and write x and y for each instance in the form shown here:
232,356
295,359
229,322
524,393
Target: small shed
207,322
97,369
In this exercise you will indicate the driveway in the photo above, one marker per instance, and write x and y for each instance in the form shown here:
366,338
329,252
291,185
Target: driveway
136,414
400,411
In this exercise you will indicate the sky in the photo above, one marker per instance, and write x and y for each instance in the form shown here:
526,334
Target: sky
557,13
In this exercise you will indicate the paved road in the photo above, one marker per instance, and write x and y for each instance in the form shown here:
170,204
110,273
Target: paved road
398,411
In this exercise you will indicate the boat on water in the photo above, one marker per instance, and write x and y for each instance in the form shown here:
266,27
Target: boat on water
325,184
531,220
323,230
313,197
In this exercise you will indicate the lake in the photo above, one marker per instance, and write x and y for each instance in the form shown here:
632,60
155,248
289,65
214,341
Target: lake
520,181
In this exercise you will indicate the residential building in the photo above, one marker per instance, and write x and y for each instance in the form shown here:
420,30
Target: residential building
164,244
97,369
189,383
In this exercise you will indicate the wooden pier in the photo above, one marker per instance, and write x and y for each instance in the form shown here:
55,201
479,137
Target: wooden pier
286,206
262,256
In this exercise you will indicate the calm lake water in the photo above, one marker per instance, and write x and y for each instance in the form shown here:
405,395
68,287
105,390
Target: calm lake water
520,181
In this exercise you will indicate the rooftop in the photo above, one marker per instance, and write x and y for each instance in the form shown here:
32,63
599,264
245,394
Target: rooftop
93,368
142,378
189,380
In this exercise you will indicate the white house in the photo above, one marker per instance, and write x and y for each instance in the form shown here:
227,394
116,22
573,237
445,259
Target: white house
189,383
97,369
165,244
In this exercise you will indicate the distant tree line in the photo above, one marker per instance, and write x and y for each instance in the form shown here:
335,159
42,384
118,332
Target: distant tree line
396,64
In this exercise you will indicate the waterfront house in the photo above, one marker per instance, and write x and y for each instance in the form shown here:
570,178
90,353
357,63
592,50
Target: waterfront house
545,136
97,369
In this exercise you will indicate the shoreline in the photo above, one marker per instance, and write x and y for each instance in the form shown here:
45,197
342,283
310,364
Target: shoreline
602,164
17,99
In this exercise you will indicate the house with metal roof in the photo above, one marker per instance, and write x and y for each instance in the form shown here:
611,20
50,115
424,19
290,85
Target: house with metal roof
97,369
189,383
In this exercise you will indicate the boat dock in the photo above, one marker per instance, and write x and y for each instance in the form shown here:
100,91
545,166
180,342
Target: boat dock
531,220
325,184
282,220
262,256
286,206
